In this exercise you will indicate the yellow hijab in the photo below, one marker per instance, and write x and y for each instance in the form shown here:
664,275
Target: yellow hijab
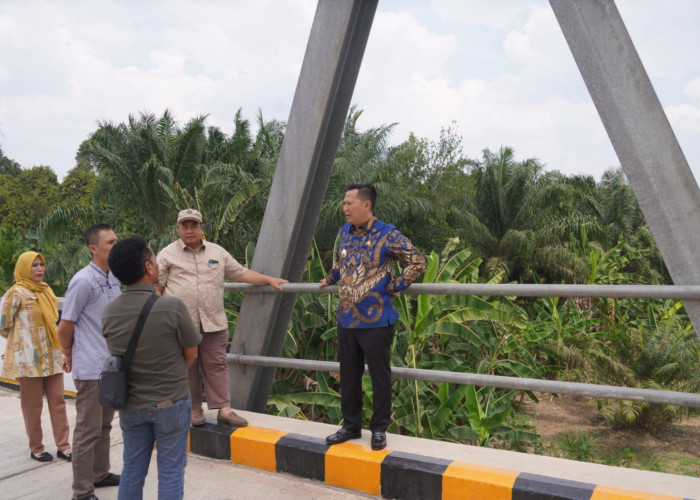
48,303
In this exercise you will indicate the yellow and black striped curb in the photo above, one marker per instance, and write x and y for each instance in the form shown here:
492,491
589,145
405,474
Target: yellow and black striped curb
387,473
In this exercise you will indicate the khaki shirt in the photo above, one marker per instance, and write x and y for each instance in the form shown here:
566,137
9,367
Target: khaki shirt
197,278
158,370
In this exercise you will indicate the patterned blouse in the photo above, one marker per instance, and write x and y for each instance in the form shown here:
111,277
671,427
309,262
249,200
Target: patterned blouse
364,265
28,352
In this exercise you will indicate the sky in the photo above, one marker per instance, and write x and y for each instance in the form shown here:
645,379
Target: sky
499,73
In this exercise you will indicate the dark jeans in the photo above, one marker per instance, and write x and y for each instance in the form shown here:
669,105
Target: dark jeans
355,345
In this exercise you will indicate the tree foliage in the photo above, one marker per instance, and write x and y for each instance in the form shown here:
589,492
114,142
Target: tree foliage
491,219
27,197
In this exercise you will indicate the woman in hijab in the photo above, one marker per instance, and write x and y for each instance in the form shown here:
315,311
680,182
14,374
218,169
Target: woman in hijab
28,316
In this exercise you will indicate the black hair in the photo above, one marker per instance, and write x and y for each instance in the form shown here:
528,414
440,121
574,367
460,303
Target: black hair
92,234
364,192
128,258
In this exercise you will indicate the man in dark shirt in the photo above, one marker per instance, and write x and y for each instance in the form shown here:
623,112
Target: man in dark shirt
364,266
158,406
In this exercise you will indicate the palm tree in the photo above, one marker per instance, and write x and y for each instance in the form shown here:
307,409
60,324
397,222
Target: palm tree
608,213
363,157
151,167
137,159
501,218
221,196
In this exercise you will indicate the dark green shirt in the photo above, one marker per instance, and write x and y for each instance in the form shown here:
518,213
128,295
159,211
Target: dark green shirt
158,371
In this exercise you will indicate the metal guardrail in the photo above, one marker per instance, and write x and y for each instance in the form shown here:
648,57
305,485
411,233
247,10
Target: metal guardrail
614,291
524,384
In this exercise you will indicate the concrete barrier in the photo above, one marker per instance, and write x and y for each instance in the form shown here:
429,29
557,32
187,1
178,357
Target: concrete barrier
391,473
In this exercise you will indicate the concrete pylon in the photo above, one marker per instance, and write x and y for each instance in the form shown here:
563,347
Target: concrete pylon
321,102
640,133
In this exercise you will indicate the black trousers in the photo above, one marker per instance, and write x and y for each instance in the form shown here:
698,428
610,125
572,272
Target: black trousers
374,344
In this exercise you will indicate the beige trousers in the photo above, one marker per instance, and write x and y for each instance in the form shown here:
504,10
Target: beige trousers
31,391
212,360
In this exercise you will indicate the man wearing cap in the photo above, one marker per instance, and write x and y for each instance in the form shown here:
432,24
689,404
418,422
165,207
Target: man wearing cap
194,270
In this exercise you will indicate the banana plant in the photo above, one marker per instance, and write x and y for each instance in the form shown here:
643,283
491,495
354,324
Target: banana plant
607,267
426,338
489,410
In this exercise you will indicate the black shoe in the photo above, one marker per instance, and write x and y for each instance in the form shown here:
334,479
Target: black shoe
343,435
378,440
109,480
44,456
67,456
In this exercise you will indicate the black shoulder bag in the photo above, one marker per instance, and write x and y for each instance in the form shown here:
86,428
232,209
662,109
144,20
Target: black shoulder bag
114,377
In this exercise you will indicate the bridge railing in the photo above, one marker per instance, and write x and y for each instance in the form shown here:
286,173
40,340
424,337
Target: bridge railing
525,384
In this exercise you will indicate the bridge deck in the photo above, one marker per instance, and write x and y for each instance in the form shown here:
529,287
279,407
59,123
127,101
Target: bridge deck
205,478
294,446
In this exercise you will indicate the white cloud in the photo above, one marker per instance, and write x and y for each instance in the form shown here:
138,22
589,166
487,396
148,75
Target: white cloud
66,66
401,76
665,35
540,49
501,70
684,118
495,15
685,121
692,90
525,109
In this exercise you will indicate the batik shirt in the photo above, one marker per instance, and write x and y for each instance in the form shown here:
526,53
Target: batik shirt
364,265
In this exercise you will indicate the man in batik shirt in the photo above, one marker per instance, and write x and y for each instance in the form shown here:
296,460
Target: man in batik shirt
364,265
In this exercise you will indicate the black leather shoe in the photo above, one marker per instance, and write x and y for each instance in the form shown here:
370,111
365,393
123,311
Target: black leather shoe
343,435
44,456
109,480
378,440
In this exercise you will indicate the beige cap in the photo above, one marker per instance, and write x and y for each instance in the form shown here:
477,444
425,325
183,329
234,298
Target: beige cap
189,214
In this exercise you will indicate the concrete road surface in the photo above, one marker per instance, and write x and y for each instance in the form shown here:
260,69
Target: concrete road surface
205,478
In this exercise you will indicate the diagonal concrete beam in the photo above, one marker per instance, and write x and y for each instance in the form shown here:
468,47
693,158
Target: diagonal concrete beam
321,102
640,133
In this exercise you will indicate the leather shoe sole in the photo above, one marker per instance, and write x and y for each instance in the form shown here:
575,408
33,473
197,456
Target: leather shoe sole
343,435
